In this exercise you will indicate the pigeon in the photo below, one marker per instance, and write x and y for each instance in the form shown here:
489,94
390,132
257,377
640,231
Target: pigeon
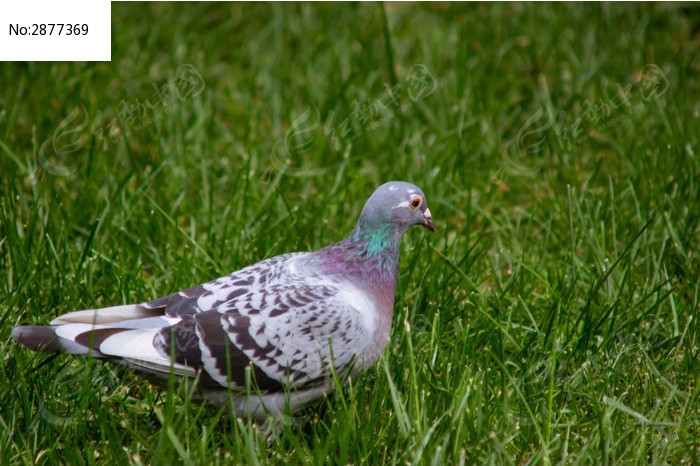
268,336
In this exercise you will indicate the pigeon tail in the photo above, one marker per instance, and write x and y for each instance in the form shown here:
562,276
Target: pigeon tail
43,338
83,332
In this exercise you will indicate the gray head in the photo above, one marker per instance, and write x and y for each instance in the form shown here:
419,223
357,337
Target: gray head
397,205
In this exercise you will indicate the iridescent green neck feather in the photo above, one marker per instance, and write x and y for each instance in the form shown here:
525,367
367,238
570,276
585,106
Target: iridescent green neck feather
377,241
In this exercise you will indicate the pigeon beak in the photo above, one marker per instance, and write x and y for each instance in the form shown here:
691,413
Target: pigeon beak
428,220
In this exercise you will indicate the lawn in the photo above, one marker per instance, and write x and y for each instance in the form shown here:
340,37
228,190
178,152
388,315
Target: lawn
552,317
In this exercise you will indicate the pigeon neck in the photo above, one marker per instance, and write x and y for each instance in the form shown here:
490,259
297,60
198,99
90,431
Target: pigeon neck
369,256
377,247
376,240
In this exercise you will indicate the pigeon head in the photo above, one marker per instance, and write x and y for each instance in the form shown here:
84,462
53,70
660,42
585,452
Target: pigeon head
397,205
389,212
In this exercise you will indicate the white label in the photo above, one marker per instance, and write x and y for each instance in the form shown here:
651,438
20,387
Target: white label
58,30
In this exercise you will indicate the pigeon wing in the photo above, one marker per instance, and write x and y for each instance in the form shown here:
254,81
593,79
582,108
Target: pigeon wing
287,324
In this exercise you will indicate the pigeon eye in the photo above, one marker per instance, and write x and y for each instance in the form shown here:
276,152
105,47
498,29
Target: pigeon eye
416,202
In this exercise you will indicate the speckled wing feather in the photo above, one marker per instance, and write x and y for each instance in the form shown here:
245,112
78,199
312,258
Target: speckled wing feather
278,317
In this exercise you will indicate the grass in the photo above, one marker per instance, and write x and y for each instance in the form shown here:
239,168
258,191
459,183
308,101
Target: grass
553,316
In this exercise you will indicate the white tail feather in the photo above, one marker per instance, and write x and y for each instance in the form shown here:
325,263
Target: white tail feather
106,315
136,346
